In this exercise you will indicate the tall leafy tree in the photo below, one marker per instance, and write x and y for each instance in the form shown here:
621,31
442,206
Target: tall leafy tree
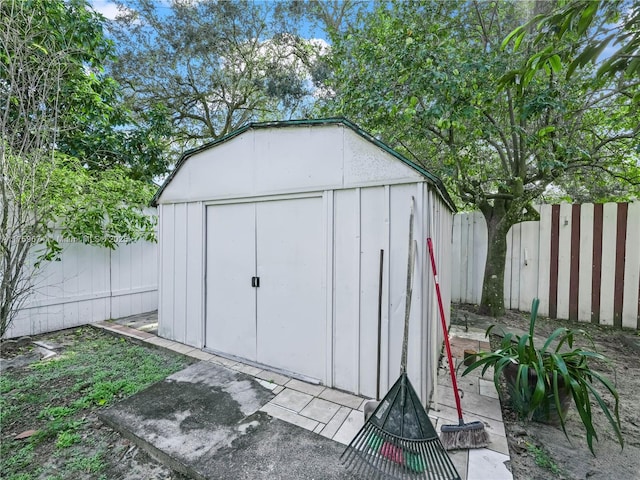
428,76
605,33
213,65
51,56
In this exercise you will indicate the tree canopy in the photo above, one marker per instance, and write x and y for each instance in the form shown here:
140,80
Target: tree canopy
429,78
51,86
214,66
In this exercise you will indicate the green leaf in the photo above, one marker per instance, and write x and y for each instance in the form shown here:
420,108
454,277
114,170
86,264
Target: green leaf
555,63
40,47
546,130
519,38
508,38
587,17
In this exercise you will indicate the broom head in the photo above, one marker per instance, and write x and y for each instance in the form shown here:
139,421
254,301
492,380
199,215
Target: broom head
464,435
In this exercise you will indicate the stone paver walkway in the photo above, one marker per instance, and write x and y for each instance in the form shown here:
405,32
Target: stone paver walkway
339,416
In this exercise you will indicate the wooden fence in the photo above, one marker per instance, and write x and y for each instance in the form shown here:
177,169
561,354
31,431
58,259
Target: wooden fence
89,284
582,261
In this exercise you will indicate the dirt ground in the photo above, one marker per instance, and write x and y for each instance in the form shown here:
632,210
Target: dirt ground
97,452
542,452
538,452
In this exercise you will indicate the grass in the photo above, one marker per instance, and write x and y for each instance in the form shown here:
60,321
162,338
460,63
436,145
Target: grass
58,398
543,459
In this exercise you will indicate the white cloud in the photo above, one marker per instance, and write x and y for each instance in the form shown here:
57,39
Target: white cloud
106,8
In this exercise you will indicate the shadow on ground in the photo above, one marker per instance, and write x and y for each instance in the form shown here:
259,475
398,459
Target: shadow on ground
204,422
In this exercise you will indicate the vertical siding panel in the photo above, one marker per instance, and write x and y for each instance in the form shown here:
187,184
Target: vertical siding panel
71,284
516,265
586,262
400,196
54,277
466,261
456,263
508,270
102,285
372,226
329,246
574,277
596,278
478,253
195,275
544,256
54,315
166,323
553,261
621,238
564,260
433,336
115,281
136,270
385,373
529,241
346,289
631,300
150,270
472,240
607,291
115,261
422,364
180,271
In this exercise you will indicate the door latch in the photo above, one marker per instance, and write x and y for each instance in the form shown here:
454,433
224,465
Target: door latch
255,281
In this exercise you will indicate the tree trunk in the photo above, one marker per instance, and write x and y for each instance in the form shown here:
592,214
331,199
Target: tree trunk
492,302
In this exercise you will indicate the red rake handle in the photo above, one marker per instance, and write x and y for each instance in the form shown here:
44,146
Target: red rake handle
444,331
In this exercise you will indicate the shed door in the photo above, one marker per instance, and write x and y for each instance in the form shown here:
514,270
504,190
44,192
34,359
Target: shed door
281,243
291,320
231,259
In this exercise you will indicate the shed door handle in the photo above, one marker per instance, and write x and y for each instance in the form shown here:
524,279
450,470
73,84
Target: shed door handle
255,281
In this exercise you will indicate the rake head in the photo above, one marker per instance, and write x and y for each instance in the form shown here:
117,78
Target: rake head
398,441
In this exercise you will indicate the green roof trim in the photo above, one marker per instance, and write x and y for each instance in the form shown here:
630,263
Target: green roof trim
433,180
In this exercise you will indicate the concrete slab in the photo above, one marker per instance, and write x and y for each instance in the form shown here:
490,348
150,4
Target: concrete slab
473,403
278,450
460,459
320,410
350,427
200,355
484,464
499,444
342,398
292,399
203,422
273,377
288,416
336,422
267,385
304,387
488,388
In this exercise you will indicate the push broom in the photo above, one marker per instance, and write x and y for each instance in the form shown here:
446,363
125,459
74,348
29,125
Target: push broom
463,435
398,440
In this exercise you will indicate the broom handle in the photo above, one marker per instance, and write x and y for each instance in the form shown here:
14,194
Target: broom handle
445,332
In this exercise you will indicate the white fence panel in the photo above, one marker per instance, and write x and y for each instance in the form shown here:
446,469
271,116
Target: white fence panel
469,254
581,261
89,284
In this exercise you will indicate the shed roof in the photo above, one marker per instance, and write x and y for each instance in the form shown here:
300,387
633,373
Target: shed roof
431,178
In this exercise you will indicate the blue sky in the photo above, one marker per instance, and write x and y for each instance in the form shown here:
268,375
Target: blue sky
109,9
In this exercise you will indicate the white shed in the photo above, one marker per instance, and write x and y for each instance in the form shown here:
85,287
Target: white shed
270,243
